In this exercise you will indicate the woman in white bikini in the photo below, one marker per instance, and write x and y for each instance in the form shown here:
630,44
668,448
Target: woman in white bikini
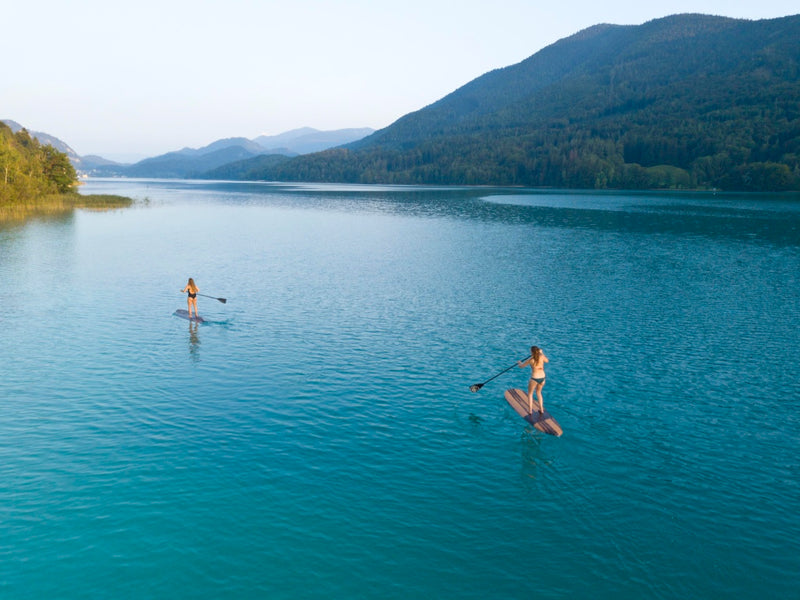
535,384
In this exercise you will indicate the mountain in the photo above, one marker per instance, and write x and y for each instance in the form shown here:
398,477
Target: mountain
224,144
680,102
185,164
277,148
306,140
193,162
91,163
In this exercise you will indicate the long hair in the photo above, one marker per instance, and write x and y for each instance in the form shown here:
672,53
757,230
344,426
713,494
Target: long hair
536,352
192,286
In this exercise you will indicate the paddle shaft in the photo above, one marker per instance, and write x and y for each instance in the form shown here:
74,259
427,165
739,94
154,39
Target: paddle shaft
223,300
477,386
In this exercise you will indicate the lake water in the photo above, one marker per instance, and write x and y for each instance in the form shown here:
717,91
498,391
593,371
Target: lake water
317,437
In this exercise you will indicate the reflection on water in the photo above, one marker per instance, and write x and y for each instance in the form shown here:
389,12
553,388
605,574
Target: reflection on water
532,458
194,340
10,216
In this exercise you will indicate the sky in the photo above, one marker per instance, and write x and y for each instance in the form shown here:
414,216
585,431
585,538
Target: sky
128,80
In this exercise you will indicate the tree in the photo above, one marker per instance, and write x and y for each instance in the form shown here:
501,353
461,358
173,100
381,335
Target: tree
58,169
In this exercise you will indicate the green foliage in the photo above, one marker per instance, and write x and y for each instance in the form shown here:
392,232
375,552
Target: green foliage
760,176
57,168
29,170
689,101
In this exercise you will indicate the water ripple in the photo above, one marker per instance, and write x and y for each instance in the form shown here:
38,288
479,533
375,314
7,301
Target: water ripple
317,436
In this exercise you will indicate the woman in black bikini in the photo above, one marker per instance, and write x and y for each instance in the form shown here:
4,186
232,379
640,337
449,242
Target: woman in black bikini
191,289
536,382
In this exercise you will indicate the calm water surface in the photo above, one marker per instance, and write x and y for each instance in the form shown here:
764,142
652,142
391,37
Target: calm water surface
317,438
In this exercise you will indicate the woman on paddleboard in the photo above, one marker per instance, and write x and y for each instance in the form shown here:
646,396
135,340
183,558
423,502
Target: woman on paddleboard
191,289
535,384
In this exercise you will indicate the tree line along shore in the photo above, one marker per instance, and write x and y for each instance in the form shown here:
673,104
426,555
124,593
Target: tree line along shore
37,179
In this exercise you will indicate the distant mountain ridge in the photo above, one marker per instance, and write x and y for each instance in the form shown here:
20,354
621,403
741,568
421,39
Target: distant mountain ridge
194,162
190,162
306,140
684,101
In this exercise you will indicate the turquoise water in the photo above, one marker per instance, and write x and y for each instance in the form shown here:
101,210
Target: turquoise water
317,438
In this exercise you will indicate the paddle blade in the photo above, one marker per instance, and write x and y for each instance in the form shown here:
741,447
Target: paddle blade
223,300
475,387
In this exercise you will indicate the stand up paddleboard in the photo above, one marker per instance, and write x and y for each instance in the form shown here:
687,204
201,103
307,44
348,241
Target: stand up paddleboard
184,314
544,422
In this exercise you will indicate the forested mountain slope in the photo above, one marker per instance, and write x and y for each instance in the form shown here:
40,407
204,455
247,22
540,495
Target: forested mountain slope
681,102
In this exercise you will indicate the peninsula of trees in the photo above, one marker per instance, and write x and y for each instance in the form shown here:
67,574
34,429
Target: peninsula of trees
37,179
30,170
688,101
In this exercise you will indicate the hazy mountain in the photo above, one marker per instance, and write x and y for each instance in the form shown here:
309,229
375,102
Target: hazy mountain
683,101
223,144
192,162
306,140
283,139
185,164
91,161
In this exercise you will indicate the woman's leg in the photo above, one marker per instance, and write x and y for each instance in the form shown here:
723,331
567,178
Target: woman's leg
539,387
531,387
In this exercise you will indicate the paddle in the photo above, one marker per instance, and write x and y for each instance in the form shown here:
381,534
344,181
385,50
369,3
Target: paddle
223,300
476,386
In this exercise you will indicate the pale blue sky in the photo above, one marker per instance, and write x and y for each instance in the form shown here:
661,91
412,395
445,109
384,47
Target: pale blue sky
137,79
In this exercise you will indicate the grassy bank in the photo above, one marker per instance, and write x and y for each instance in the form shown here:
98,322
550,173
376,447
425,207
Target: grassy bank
58,205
